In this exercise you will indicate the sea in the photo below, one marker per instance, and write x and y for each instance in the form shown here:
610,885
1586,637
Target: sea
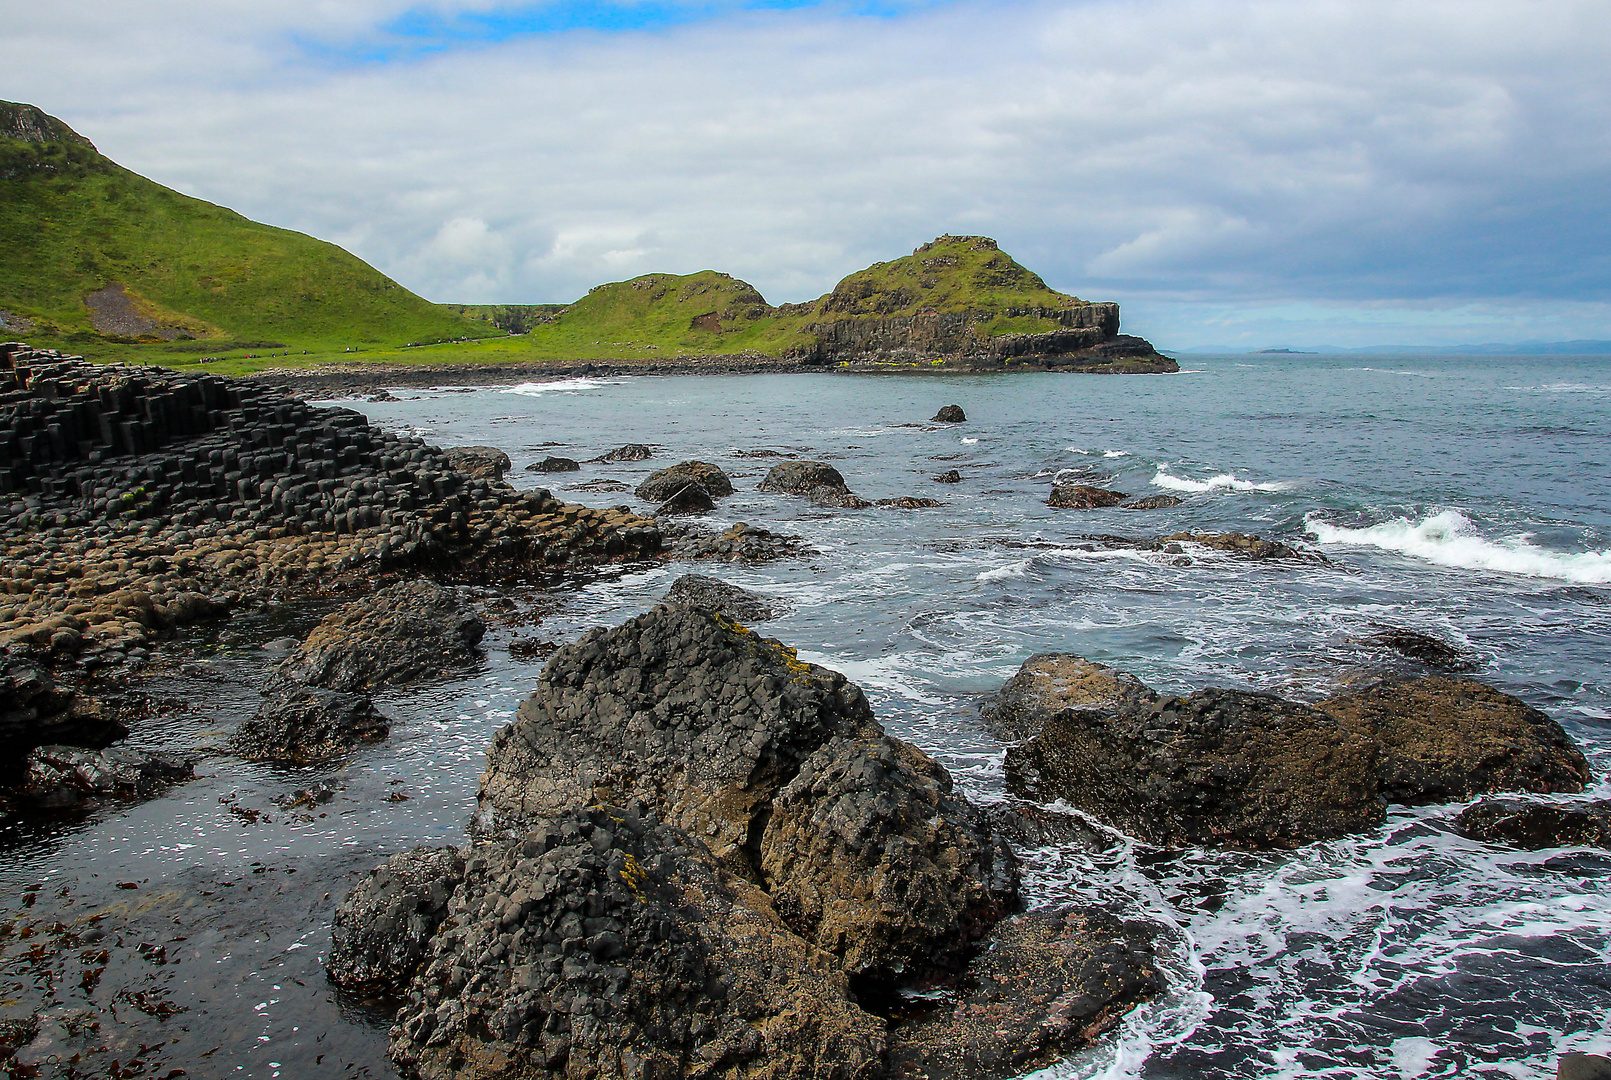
1464,497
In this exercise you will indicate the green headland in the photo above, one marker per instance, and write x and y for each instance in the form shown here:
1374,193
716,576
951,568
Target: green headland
102,262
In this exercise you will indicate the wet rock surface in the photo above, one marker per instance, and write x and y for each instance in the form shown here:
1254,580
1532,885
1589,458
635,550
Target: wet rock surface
301,726
1252,547
630,452
662,484
803,478
608,944
697,590
950,476
1049,982
1251,770
554,465
1421,648
1532,824
1446,738
1152,502
63,776
950,414
910,502
35,711
688,499
1083,497
404,633
381,930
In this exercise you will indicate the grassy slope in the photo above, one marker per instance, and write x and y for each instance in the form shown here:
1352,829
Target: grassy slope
71,222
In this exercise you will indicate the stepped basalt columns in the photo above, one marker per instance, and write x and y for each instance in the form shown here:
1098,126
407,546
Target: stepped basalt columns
1088,339
134,499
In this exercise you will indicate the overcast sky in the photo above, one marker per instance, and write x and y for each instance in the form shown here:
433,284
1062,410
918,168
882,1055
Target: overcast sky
1239,173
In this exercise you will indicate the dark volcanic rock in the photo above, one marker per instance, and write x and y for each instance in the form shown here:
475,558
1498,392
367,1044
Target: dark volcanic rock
383,926
911,502
479,462
630,452
740,543
1083,497
1527,823
688,499
697,590
950,476
677,707
1152,502
777,765
1030,825
34,711
610,946
1422,648
1050,684
950,414
305,726
401,634
1253,547
664,483
1050,983
1448,738
59,776
554,464
803,478
869,855
1222,767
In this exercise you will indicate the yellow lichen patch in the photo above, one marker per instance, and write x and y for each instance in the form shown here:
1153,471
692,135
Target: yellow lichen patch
632,875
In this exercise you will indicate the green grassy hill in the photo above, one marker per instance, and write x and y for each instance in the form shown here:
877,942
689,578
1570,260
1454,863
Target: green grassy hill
73,224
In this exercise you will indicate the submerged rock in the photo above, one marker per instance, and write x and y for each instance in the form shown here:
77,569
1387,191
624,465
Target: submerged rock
1083,497
630,452
62,776
1152,502
697,590
950,476
1049,983
401,634
1253,547
1445,738
554,464
950,414
1420,647
1528,823
609,945
740,543
664,483
479,462
803,478
303,726
382,928
910,502
1227,768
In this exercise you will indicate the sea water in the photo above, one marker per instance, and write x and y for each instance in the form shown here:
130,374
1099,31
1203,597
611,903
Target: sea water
1468,498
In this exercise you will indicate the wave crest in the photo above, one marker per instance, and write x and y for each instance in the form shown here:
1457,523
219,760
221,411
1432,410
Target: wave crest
1220,482
1448,538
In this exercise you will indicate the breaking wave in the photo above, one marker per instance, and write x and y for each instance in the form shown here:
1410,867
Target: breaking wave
1220,482
1449,538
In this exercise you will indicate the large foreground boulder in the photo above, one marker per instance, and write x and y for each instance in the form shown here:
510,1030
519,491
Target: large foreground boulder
609,945
383,926
1222,767
404,633
1446,738
662,484
1250,770
307,726
777,765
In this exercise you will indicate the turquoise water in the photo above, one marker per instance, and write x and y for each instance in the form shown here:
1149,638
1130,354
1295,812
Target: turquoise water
1468,498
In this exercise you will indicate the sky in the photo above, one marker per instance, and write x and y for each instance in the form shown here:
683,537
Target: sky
1237,174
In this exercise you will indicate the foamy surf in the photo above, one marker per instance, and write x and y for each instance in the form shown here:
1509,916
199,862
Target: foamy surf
1219,482
1449,538
558,386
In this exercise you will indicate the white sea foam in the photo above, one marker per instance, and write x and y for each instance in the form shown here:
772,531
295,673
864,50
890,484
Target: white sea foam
1219,482
1115,453
1449,538
558,386
1006,573
969,441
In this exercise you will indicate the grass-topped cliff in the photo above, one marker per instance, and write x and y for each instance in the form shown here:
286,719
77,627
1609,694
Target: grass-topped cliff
95,255
100,261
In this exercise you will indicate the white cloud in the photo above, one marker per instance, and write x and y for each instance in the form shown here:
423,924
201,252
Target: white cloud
1160,152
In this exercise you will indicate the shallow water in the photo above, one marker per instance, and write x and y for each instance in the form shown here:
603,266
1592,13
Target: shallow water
1468,498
